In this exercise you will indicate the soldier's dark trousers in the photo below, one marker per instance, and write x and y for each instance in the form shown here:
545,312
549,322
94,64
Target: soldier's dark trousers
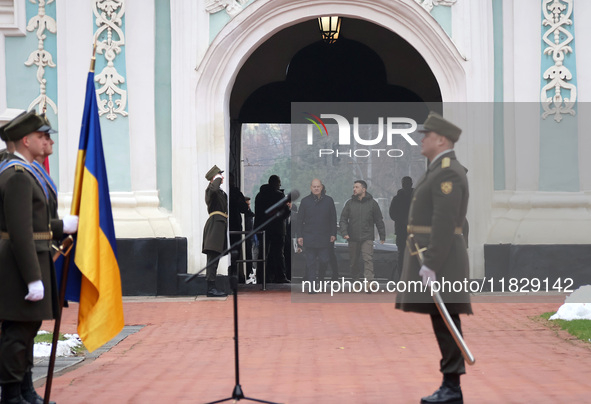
452,360
16,349
212,270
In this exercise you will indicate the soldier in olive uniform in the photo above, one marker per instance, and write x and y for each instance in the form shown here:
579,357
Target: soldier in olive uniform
437,214
28,291
215,230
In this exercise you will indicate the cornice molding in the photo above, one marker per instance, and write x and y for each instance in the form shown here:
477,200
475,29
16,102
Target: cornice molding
12,17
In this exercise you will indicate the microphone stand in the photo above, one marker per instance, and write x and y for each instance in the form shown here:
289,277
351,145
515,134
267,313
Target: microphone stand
237,393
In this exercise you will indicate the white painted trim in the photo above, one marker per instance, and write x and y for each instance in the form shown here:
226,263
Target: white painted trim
140,56
541,218
527,38
135,214
3,101
74,49
583,57
13,18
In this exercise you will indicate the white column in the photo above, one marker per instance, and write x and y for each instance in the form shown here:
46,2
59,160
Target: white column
190,146
74,50
583,54
139,59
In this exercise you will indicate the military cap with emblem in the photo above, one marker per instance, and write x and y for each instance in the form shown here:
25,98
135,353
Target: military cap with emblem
213,171
25,124
438,124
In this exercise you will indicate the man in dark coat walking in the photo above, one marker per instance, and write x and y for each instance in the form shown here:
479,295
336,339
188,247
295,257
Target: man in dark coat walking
399,208
317,229
28,290
215,230
437,214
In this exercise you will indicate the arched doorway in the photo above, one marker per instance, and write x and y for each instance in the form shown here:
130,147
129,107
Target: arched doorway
218,71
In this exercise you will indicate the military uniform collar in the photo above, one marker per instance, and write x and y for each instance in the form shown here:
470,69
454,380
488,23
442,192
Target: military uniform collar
447,153
20,156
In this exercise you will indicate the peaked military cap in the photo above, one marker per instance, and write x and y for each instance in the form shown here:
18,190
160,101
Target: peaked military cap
438,124
2,136
213,171
25,124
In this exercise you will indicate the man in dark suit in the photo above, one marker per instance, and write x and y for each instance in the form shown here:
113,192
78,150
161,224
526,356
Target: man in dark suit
399,208
317,230
215,230
28,290
270,194
437,214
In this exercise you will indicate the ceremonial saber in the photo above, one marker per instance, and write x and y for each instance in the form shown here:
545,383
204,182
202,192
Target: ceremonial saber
451,326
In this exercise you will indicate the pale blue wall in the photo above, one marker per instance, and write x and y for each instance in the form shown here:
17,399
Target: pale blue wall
498,139
559,162
442,15
163,103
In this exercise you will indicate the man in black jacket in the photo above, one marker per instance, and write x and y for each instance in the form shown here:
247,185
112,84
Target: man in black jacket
399,213
356,224
270,194
317,228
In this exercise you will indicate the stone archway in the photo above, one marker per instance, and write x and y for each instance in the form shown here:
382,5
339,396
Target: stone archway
245,33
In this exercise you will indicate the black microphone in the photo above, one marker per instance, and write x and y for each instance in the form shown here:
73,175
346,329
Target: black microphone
292,196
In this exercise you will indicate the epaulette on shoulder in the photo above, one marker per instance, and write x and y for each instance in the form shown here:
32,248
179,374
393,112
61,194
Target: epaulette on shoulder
445,162
18,167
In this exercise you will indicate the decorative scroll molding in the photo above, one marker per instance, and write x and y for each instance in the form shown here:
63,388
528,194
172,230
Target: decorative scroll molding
557,15
232,7
40,57
112,99
429,4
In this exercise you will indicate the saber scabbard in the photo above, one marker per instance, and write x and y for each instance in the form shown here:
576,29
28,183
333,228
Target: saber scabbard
415,249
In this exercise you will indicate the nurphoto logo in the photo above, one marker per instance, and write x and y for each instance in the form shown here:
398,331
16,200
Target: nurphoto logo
395,126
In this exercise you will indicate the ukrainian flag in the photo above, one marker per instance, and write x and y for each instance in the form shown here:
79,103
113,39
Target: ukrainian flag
100,316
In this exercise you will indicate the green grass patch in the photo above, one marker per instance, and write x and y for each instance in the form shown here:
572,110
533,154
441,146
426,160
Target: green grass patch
577,328
48,338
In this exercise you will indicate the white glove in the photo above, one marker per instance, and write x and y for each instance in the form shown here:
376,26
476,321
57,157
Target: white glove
35,291
428,275
70,224
217,176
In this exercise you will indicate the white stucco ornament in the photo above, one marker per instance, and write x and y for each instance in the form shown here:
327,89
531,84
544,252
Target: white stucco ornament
429,4
232,7
557,15
40,57
112,99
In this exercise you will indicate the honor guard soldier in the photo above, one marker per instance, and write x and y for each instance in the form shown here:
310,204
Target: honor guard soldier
437,214
28,290
215,230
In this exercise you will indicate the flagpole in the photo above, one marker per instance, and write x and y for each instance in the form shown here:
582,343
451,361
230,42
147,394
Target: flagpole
74,210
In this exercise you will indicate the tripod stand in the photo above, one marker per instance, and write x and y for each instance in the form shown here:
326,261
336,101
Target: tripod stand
237,393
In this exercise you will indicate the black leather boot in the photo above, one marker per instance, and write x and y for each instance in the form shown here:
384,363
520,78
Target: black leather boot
11,394
448,393
213,292
28,390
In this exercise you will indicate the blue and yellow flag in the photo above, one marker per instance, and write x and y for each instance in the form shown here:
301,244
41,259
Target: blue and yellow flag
100,317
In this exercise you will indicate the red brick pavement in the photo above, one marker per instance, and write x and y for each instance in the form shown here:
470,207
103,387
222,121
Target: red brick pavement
323,353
